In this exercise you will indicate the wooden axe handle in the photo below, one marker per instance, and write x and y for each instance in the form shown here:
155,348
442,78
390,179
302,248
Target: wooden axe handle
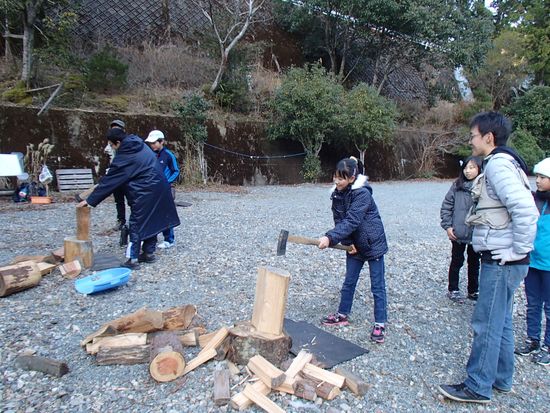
83,195
296,239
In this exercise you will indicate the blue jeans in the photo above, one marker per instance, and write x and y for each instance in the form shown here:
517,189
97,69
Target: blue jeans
491,359
537,291
377,286
168,235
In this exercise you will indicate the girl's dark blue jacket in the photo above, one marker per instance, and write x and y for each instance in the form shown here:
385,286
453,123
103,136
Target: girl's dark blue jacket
135,169
357,221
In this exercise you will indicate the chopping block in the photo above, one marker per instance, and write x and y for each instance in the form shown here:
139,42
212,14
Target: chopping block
80,247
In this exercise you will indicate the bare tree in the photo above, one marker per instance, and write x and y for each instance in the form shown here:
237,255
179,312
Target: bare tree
229,20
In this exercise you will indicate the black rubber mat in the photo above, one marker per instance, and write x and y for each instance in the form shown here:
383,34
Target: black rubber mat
327,348
105,261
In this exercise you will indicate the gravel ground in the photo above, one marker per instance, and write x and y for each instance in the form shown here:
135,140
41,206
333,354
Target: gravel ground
224,238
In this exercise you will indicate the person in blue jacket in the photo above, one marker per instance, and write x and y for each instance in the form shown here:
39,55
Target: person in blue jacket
152,209
169,165
358,223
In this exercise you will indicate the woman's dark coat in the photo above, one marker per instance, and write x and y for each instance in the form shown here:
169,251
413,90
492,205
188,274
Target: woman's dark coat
357,221
136,170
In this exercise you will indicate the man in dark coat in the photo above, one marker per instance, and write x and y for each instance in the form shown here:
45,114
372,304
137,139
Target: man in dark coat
152,209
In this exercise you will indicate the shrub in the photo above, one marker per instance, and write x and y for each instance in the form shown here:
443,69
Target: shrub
311,170
531,112
18,94
483,103
116,103
105,72
526,145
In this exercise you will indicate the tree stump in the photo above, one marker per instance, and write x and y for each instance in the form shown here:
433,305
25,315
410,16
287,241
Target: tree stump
246,342
76,249
166,359
19,277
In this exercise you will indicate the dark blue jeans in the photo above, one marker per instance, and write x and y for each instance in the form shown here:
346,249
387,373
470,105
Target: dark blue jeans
377,286
537,291
169,233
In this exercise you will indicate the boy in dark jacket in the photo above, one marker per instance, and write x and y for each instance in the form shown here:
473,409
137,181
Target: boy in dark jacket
152,210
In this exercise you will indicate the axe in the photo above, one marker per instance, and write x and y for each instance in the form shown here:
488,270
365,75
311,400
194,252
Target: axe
83,195
284,237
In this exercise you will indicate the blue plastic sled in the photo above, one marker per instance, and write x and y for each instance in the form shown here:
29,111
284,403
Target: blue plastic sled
103,280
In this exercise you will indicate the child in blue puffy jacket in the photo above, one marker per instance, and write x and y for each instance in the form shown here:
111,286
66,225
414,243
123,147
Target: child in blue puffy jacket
358,223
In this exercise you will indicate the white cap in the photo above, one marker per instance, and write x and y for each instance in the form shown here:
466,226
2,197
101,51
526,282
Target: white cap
543,168
154,136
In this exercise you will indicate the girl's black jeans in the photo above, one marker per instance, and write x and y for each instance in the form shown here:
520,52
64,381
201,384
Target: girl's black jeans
457,259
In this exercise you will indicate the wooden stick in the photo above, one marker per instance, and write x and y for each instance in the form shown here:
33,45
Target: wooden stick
216,340
42,364
261,400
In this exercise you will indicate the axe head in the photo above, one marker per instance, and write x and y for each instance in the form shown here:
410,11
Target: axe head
281,244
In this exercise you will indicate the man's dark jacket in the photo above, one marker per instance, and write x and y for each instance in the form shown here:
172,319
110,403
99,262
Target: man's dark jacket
136,170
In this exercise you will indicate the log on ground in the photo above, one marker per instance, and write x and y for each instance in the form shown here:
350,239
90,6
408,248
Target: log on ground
166,357
19,277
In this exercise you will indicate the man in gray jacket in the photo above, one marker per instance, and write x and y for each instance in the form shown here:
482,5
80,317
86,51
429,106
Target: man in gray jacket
505,227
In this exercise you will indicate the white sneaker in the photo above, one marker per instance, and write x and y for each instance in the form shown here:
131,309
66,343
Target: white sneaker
165,244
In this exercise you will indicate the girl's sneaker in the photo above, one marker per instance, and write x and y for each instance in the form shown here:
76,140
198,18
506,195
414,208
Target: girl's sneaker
543,356
378,333
473,296
455,296
335,319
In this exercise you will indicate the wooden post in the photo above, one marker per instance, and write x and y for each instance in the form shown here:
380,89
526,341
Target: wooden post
81,250
19,277
167,362
83,223
270,300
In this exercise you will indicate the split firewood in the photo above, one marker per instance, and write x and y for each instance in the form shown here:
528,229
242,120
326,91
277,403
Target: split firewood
42,364
46,268
143,320
71,269
188,338
305,389
327,391
120,340
223,348
233,369
267,372
59,254
221,387
319,374
261,400
353,382
179,318
240,402
123,355
201,358
35,258
270,300
216,339
19,277
166,355
205,338
288,386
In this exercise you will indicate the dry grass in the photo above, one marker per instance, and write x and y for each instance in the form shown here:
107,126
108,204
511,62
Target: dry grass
263,85
167,66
